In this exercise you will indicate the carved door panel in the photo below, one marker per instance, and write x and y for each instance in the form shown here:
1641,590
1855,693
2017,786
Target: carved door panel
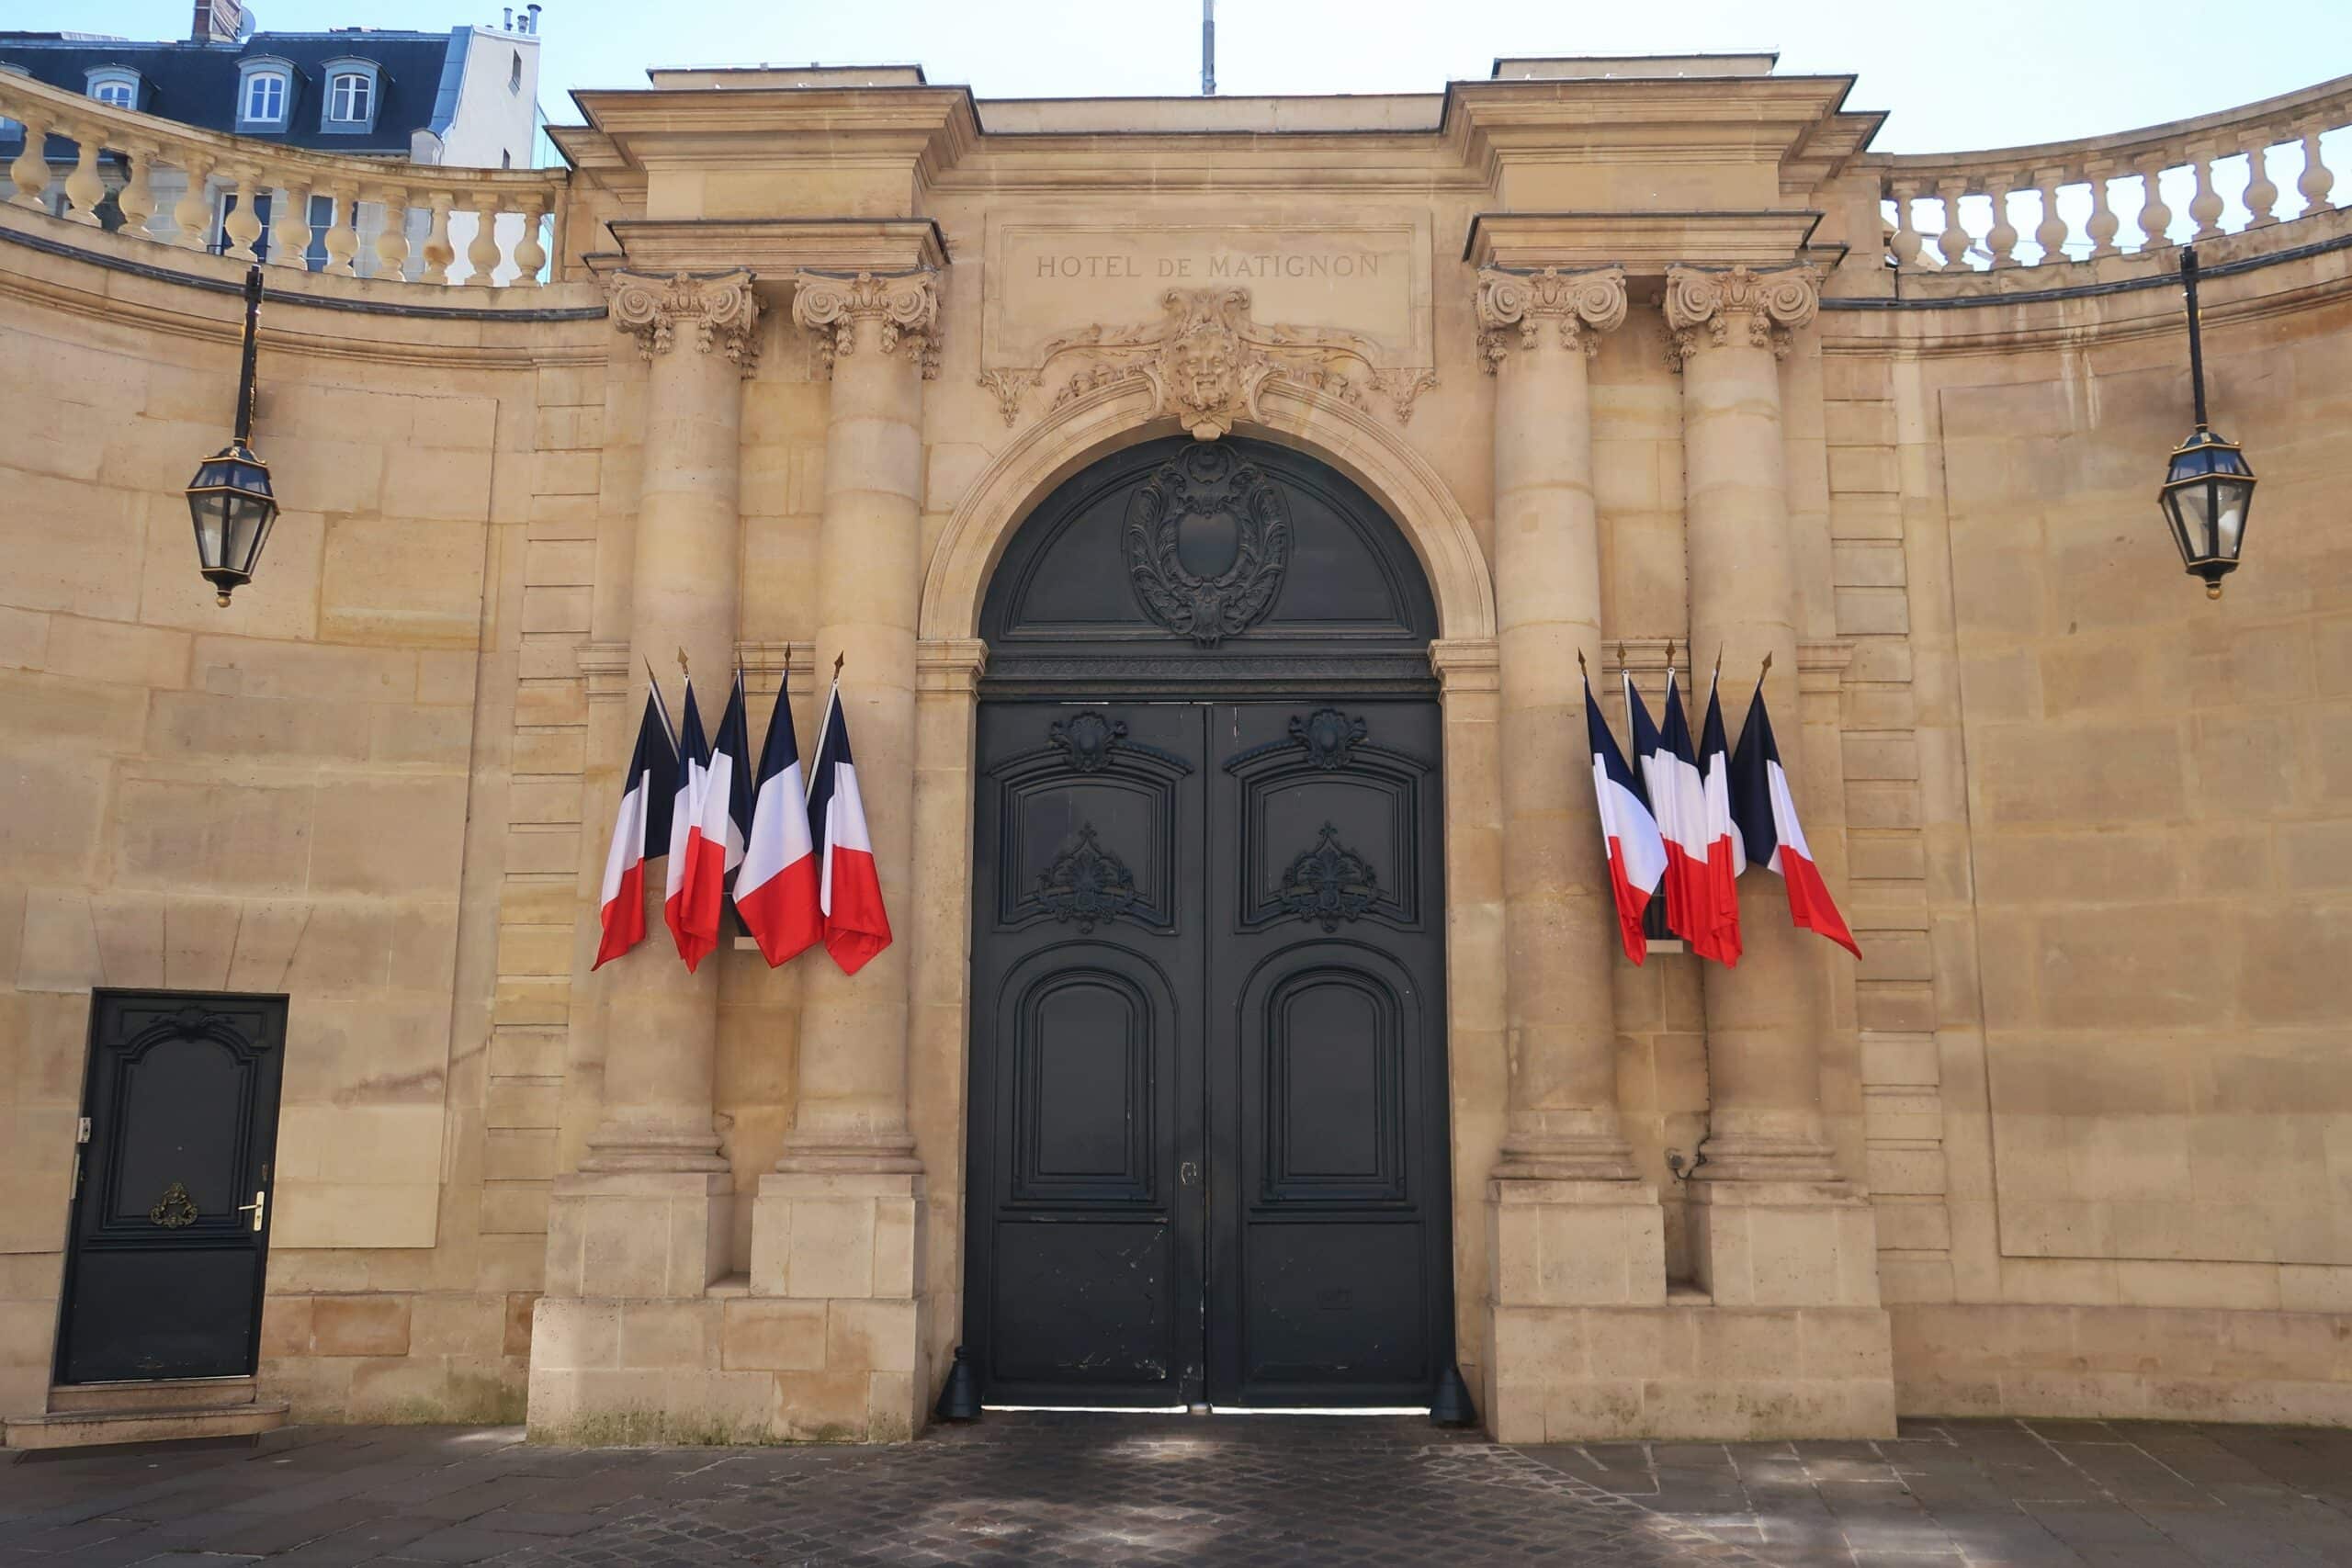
170,1219
1208,1145
1084,1276
1330,1198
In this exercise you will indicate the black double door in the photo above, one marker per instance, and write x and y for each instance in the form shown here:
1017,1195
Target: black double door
1208,1147
171,1201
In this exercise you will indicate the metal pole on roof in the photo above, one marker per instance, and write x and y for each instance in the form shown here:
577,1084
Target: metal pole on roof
1208,49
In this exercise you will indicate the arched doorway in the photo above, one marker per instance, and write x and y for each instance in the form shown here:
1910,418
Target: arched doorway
1207,1142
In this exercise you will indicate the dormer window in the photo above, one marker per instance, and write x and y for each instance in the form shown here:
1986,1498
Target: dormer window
355,90
115,84
265,94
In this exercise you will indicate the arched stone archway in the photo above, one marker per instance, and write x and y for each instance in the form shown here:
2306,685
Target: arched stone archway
951,657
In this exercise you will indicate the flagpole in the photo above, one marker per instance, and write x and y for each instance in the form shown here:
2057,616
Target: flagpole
669,730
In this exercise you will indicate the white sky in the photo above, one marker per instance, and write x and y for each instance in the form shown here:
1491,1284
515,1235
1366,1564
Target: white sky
1954,75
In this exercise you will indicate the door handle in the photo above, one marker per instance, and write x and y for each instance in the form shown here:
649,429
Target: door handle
259,1206
1188,1174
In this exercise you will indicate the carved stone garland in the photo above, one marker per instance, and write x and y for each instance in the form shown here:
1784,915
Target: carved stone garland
1199,484
1774,304
1207,360
720,312
1087,883
905,303
1329,882
1582,305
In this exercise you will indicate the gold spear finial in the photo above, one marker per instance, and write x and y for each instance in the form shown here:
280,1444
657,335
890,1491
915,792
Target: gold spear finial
1580,664
1719,661
682,664
839,660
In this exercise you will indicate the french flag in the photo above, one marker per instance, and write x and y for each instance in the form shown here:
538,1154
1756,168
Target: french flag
1770,835
704,838
1726,858
848,889
775,888
640,830
1637,854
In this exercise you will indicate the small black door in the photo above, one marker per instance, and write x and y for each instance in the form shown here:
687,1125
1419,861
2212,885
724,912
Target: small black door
171,1221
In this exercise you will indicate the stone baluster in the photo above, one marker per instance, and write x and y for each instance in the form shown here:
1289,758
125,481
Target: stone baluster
482,251
83,187
2103,223
649,1212
2205,207
438,252
1910,245
192,214
137,198
2155,218
391,237
2261,190
29,172
530,256
2317,179
342,231
242,226
1536,332
2001,239
2052,231
290,234
1954,240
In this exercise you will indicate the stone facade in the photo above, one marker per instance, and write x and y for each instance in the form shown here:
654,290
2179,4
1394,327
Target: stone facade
1624,361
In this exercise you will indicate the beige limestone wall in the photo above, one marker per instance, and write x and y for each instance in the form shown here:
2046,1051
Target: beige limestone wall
303,793
2098,834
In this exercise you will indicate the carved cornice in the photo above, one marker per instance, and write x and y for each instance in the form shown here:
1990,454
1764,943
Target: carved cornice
720,312
1583,305
1206,359
950,664
1774,304
905,306
1464,664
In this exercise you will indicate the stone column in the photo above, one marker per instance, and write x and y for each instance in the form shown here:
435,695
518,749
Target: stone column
637,1233
1569,1227
653,1177
1559,924
1771,1224
839,1220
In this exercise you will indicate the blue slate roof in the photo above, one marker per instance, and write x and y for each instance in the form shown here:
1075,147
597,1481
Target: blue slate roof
196,84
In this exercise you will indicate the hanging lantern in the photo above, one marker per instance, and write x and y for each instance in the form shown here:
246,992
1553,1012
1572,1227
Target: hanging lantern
230,501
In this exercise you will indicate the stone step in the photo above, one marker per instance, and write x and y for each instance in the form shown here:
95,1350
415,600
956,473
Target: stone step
174,1393
94,1428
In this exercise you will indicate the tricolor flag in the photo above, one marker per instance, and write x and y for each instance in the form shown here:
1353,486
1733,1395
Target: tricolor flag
775,890
704,838
849,890
1641,741
1767,819
640,830
1679,801
1628,835
1725,859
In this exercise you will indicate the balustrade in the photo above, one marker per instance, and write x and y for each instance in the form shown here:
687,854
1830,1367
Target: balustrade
2189,180
103,166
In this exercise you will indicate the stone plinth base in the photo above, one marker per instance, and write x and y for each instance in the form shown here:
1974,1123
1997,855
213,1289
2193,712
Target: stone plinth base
639,1233
729,1368
1588,1346
1783,1243
1690,1369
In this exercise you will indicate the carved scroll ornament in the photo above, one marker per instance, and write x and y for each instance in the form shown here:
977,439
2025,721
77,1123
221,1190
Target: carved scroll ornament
1329,882
1087,883
1207,361
905,306
720,313
1580,305
1772,305
1192,492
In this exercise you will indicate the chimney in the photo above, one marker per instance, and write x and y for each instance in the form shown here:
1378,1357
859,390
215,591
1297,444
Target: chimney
531,25
217,21
508,25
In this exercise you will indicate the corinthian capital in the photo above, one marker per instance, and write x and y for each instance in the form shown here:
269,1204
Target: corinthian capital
1770,304
719,311
905,304
1582,304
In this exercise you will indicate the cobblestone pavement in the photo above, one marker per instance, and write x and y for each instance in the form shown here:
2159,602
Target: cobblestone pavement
1074,1489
